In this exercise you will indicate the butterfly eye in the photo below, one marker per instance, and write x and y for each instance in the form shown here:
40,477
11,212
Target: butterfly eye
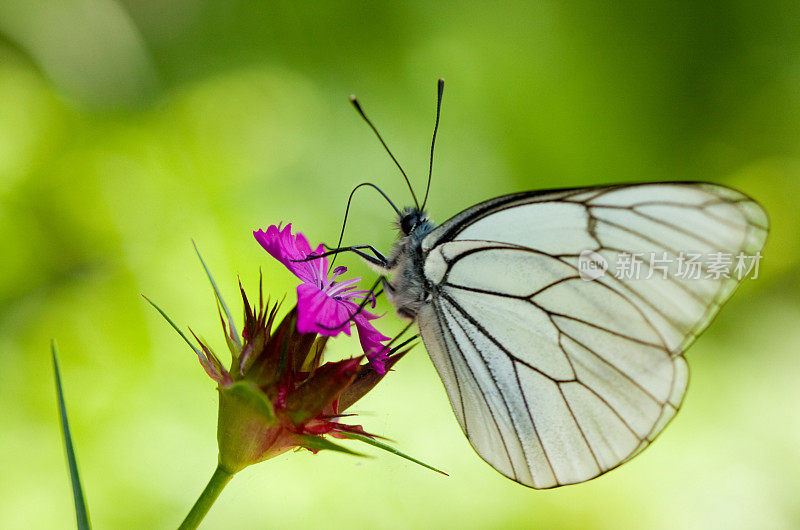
408,222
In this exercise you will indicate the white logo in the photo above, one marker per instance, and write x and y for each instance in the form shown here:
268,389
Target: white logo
591,265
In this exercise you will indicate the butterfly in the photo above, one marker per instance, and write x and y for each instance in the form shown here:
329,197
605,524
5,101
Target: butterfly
557,369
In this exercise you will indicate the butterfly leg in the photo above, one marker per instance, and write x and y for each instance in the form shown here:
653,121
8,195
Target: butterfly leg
397,337
378,259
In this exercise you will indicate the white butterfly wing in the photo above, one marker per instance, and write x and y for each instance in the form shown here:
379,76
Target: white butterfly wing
555,379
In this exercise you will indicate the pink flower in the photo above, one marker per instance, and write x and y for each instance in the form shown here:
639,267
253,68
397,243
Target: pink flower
324,305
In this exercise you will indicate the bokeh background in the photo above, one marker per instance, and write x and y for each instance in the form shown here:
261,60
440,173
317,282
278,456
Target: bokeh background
129,127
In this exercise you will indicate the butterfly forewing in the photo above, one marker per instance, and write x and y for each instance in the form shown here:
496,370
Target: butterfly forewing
554,378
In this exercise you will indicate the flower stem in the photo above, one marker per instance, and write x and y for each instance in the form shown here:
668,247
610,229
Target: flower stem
218,481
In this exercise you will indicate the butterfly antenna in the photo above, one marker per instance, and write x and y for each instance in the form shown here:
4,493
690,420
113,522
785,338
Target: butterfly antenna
347,211
433,142
355,103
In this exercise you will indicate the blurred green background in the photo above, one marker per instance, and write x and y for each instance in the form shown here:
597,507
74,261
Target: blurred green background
129,127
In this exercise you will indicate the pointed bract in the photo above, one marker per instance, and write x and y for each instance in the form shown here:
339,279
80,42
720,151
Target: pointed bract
366,379
318,392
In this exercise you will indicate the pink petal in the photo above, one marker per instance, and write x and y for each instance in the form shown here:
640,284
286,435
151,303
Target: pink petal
285,247
324,306
372,341
378,360
315,309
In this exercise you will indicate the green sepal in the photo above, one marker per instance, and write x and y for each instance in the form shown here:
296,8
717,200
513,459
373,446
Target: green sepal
210,363
233,345
81,511
390,449
246,418
314,357
234,334
320,443
174,326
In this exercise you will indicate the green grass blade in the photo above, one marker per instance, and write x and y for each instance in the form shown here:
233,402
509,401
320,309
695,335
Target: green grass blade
81,512
231,325
388,448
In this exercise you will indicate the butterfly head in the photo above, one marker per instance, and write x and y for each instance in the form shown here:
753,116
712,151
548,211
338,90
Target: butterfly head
410,219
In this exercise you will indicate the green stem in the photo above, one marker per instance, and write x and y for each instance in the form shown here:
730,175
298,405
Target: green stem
218,481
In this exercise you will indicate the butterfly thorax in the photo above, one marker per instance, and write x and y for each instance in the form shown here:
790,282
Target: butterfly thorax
408,291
